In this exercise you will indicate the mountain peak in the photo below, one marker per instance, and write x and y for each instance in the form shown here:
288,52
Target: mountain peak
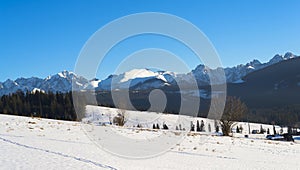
10,82
289,55
277,58
65,74
255,62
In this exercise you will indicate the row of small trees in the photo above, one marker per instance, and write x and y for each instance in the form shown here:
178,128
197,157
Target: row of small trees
200,127
233,112
156,126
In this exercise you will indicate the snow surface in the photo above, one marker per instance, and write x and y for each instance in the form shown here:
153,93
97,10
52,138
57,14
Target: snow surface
137,73
94,83
34,143
143,77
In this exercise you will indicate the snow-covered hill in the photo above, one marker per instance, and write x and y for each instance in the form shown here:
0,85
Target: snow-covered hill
102,115
34,143
138,78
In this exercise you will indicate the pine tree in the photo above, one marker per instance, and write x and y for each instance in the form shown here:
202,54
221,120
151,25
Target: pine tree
198,126
157,126
202,128
165,127
216,126
217,129
237,129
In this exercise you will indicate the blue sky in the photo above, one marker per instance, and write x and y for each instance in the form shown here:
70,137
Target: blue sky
39,38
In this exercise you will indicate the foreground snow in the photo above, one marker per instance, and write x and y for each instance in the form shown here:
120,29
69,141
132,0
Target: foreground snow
31,143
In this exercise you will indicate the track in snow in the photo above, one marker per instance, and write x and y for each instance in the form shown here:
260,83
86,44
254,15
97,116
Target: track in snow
60,154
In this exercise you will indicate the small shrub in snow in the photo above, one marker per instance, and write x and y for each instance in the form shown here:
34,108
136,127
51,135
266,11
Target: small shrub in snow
121,118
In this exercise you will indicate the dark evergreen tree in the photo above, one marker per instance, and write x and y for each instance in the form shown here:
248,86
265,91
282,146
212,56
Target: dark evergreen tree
216,126
237,129
157,126
202,127
198,126
165,127
217,129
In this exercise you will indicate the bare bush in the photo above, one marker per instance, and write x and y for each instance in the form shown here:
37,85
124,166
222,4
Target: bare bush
121,118
233,111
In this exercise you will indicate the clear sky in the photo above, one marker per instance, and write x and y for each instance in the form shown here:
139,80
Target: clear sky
39,38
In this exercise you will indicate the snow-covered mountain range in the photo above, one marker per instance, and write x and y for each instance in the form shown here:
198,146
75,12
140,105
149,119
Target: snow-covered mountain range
144,78
61,82
137,79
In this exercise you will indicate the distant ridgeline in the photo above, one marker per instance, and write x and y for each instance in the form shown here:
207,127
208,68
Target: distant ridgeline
38,104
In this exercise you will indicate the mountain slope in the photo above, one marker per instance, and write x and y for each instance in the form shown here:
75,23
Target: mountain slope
276,85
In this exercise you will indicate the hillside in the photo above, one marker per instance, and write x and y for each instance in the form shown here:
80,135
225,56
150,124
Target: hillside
276,85
31,143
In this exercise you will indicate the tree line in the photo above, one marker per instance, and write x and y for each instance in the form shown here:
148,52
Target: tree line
39,104
60,106
288,115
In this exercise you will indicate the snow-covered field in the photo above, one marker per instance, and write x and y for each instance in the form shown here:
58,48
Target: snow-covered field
32,143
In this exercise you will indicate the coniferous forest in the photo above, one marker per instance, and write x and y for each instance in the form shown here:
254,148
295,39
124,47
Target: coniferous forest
46,105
